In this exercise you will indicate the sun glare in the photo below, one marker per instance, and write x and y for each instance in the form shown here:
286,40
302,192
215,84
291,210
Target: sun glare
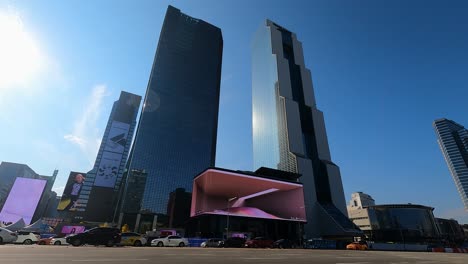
20,58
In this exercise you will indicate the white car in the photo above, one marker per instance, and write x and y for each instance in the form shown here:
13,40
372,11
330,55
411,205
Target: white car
170,241
6,236
27,237
58,241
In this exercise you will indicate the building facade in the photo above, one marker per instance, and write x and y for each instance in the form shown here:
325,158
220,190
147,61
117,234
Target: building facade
403,223
98,197
357,211
360,200
289,131
176,135
453,142
265,203
10,172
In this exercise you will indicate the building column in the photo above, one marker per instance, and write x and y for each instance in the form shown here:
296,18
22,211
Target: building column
137,223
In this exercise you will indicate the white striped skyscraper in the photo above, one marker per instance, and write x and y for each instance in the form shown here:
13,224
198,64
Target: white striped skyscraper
453,141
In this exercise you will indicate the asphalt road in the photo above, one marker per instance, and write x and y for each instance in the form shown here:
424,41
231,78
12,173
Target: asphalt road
89,254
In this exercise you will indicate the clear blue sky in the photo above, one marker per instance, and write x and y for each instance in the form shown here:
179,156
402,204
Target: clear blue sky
382,71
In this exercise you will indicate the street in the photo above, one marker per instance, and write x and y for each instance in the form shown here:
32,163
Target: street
88,254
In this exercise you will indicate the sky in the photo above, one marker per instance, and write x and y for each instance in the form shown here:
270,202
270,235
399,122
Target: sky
382,71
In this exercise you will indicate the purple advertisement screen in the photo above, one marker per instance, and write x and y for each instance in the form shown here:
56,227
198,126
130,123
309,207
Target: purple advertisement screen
73,229
22,200
226,193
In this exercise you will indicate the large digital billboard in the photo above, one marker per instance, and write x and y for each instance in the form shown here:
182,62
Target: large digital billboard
72,229
69,201
108,169
112,155
117,138
22,200
226,193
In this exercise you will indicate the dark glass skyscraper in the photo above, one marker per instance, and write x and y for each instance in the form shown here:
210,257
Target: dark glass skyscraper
453,142
176,135
289,131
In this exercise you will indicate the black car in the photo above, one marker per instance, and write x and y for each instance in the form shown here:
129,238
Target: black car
283,243
96,236
233,242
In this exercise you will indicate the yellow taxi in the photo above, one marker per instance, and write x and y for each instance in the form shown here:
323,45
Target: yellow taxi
132,239
361,245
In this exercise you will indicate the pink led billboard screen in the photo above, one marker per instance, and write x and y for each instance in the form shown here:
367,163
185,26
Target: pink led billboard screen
22,200
72,229
221,193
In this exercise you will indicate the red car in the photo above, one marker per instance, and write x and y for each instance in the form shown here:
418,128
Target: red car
45,241
259,242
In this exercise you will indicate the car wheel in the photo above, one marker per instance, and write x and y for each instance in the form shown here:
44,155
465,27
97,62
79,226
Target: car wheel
1,240
27,242
76,243
181,244
160,244
110,243
58,243
137,243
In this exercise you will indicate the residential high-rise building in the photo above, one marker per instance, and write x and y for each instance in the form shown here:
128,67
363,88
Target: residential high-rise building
176,135
289,131
99,195
453,142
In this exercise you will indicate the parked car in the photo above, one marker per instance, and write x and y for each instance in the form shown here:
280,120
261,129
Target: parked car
170,241
361,245
27,237
283,243
132,239
212,242
6,236
259,242
96,236
151,238
58,241
233,242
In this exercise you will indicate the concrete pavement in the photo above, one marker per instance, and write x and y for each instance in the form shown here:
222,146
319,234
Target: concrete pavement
88,254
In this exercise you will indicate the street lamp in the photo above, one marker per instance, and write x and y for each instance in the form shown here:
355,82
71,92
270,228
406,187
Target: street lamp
227,224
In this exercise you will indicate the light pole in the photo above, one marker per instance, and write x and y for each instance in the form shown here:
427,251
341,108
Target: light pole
227,222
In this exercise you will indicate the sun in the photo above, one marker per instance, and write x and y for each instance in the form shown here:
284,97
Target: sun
20,57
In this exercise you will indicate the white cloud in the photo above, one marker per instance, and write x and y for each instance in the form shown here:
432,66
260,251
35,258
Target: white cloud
85,134
75,139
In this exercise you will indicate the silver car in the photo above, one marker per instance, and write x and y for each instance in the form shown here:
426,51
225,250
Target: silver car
6,236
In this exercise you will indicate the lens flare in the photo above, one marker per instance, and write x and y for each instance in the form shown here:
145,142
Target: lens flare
20,57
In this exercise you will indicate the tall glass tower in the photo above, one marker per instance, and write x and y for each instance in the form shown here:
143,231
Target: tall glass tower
176,135
98,198
289,131
453,142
